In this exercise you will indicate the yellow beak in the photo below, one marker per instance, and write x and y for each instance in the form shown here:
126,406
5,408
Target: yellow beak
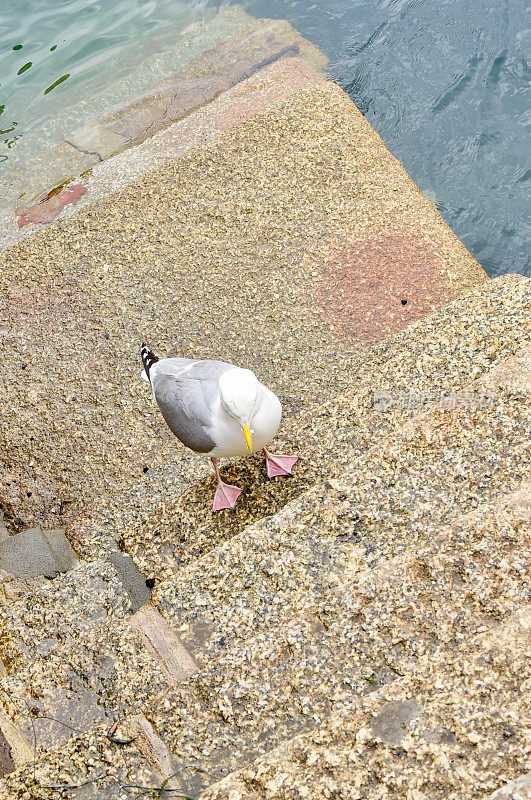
247,433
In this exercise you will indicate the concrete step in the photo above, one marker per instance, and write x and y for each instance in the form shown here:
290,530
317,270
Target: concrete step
43,159
439,465
238,53
271,84
129,264
357,640
259,44
63,609
307,555
453,729
437,355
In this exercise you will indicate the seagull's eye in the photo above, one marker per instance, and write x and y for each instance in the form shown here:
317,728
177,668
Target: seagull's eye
252,431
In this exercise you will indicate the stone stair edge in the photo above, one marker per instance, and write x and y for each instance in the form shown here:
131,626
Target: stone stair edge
369,389
372,724
206,60
254,28
250,652
379,355
90,567
405,334
515,500
501,503
380,350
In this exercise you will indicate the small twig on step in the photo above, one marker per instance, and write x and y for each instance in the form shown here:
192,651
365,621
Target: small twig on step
161,790
34,713
115,739
70,785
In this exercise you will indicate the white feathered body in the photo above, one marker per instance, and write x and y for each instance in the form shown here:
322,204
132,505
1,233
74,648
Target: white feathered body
189,395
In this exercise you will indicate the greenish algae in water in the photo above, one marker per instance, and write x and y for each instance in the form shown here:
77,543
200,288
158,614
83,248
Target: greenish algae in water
57,82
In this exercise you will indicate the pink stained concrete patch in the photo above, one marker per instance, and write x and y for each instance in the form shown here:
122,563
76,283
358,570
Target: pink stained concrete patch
47,207
376,286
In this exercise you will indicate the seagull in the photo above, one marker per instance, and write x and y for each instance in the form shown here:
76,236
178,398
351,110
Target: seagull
217,410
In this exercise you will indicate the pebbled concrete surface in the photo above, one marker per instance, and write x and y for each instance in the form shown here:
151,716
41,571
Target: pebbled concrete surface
391,382
452,741
240,247
78,297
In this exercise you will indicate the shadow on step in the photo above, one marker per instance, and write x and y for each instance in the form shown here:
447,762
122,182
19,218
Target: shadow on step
184,528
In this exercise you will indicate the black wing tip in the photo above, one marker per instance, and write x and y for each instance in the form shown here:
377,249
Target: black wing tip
148,357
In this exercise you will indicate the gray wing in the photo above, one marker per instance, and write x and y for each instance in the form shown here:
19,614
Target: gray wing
186,392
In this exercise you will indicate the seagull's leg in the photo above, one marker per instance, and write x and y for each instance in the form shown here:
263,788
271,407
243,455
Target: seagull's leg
278,465
226,495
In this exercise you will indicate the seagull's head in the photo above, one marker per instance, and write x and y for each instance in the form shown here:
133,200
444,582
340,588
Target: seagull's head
240,392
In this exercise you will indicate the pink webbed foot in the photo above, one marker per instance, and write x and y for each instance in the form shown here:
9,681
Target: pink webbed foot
278,465
226,496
